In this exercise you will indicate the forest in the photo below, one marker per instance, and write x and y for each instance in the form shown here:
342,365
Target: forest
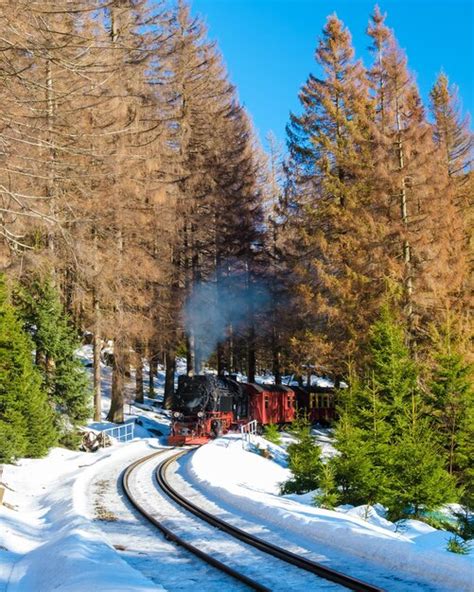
138,207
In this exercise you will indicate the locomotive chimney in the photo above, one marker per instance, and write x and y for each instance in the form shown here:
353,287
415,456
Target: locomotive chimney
194,356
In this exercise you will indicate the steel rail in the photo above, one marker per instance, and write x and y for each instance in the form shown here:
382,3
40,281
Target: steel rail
312,566
171,536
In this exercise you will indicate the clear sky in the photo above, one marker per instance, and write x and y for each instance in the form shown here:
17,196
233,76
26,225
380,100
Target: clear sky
268,46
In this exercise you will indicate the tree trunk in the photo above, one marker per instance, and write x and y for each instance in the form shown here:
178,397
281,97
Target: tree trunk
96,344
118,384
251,354
170,364
276,353
151,378
139,376
406,247
251,360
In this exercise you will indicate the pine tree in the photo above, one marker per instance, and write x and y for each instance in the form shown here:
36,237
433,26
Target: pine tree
331,222
328,496
451,129
391,371
422,233
417,477
26,418
451,394
304,460
65,379
388,449
358,467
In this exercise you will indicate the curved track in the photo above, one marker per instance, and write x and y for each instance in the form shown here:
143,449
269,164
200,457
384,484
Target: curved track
278,552
170,535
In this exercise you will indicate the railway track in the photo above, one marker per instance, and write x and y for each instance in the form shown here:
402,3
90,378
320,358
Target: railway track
172,536
334,578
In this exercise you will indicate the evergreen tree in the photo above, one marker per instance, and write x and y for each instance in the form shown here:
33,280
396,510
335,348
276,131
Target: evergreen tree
26,418
330,227
423,235
328,496
358,477
451,129
65,379
417,477
304,460
387,446
451,392
391,371
272,434
452,402
465,457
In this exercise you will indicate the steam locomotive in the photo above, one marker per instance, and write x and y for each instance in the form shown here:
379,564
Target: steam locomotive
207,406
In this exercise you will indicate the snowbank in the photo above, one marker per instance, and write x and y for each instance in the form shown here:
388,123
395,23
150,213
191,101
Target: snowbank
250,484
46,542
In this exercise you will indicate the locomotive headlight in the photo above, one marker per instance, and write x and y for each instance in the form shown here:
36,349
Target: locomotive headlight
201,414
176,414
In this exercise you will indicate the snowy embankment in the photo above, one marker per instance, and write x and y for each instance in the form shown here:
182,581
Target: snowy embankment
46,541
250,483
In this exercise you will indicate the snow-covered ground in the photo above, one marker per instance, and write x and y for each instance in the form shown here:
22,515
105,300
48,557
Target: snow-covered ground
46,541
247,484
65,527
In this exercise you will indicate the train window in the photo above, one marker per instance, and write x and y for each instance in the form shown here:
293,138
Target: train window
266,402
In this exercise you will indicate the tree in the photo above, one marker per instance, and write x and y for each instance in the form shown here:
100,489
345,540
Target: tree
418,480
451,129
387,444
423,233
329,495
26,418
391,373
358,468
451,394
64,378
331,220
304,460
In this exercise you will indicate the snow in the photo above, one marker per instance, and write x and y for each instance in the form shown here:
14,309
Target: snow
50,544
250,484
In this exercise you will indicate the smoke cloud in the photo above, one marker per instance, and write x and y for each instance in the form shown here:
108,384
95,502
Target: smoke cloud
210,309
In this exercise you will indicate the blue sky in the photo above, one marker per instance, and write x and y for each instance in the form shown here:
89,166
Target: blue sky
268,46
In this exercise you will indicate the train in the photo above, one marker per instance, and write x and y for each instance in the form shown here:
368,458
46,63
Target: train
207,406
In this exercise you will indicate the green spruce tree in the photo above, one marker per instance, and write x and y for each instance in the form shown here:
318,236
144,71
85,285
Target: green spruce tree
55,339
451,393
388,449
304,460
391,370
417,477
355,473
328,495
26,418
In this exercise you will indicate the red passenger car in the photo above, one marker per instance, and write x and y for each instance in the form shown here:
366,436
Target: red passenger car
317,402
270,403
